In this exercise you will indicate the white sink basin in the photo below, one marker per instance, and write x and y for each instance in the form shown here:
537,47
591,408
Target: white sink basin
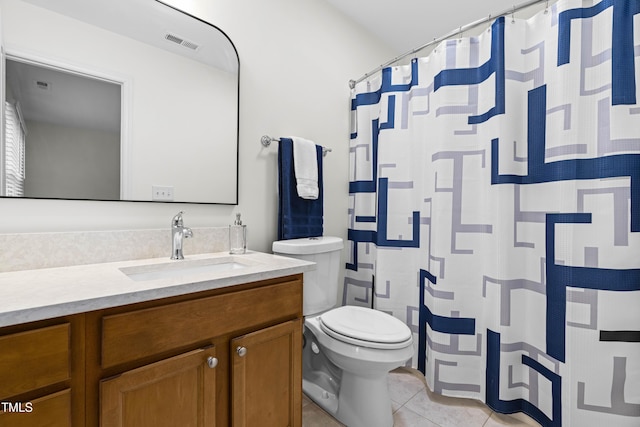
181,268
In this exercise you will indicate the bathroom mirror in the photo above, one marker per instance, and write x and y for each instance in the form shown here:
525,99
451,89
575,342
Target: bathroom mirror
117,100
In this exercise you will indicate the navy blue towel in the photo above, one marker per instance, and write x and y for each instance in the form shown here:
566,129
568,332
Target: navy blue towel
297,217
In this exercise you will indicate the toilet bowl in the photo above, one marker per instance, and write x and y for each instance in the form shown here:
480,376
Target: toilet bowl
348,351
364,363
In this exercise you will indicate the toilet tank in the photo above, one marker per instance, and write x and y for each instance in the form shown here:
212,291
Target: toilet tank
320,288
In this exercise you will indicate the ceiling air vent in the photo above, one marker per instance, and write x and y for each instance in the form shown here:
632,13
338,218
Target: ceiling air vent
42,85
181,41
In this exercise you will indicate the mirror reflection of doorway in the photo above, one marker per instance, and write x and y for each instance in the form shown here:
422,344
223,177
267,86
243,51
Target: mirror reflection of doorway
72,130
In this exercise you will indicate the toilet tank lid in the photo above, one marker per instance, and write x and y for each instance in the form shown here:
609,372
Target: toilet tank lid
307,245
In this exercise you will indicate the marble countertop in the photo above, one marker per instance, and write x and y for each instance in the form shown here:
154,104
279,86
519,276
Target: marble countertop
31,295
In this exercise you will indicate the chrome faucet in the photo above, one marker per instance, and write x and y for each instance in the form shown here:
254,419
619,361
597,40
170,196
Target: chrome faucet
178,233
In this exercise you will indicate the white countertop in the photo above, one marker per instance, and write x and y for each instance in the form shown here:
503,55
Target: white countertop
31,295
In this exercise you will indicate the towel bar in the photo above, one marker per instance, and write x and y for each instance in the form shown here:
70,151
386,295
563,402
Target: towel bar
266,141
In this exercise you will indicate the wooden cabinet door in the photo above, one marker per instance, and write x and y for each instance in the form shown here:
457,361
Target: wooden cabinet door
53,410
266,378
179,391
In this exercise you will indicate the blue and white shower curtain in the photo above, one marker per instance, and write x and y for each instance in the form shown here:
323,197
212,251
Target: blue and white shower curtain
495,208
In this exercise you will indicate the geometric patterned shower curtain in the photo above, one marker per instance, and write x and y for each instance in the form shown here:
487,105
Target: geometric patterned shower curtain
495,208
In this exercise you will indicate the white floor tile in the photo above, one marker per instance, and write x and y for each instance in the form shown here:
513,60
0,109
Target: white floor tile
449,412
499,420
403,385
405,417
314,416
414,405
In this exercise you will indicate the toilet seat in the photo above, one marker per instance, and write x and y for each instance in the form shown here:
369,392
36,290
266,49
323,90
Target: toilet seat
365,327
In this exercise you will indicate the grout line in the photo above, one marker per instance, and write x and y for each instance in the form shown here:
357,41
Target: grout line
487,420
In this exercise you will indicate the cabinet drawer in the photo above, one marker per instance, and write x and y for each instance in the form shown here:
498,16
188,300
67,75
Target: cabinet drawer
34,359
137,334
53,410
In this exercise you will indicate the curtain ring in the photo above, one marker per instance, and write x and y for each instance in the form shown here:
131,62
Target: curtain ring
546,7
460,35
513,15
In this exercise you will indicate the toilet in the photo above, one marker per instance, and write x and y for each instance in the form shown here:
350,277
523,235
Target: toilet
348,351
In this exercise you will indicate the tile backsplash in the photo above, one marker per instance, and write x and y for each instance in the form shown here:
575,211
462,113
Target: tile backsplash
26,251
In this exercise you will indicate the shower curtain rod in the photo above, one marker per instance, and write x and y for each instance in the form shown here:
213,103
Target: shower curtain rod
515,8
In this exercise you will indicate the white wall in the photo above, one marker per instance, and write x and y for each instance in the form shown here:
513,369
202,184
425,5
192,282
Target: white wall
296,58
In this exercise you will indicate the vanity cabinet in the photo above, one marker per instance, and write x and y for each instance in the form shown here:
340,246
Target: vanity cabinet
224,357
41,374
178,359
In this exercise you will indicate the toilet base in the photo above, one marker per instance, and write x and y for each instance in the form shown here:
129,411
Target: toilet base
326,400
355,408
320,390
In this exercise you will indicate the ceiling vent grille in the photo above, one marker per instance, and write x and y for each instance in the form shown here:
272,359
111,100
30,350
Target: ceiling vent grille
181,41
42,85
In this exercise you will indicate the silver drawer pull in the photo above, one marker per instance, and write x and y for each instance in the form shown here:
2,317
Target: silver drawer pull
241,351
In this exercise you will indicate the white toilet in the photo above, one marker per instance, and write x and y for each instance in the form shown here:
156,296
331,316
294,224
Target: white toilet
348,351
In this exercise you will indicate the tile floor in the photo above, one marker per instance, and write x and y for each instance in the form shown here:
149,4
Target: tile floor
414,405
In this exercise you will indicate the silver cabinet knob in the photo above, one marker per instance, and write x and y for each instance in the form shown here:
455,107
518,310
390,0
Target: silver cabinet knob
241,351
212,362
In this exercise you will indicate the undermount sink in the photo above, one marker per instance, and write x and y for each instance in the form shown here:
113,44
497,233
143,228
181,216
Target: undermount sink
181,268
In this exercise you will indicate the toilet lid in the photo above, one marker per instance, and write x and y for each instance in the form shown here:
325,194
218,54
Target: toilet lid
365,326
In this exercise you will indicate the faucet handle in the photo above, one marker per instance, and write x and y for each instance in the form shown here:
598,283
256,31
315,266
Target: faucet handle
177,219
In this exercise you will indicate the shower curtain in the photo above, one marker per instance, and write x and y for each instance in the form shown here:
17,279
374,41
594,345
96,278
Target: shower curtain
495,208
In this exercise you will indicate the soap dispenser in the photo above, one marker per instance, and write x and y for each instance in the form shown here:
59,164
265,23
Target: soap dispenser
237,237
